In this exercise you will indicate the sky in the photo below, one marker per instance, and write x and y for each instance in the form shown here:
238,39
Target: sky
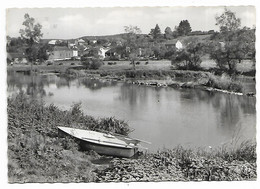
67,23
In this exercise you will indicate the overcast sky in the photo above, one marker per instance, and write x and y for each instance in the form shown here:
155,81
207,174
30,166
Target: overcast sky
66,23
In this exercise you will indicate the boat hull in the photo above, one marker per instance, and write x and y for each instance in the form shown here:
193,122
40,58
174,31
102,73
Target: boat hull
108,150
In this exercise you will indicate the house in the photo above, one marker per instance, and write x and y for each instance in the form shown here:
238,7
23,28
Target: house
52,42
174,43
16,58
81,41
74,51
102,51
61,53
112,54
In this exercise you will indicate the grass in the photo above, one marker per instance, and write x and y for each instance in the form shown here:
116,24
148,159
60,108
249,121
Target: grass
37,154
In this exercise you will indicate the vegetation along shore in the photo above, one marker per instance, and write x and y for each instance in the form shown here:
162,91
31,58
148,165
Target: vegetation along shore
37,154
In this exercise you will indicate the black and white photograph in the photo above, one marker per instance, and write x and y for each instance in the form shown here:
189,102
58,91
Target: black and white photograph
130,94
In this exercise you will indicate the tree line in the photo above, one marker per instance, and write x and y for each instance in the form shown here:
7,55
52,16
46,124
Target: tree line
228,47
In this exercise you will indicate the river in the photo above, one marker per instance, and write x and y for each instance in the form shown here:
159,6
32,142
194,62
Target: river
166,117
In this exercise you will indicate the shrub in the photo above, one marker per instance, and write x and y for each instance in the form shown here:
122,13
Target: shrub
224,82
91,63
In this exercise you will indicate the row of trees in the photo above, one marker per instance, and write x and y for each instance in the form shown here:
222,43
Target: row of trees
183,29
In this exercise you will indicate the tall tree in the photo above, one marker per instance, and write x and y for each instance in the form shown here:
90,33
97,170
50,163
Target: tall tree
184,28
31,36
227,21
156,32
132,48
237,44
168,34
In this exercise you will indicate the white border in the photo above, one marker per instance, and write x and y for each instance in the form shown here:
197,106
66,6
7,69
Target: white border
107,3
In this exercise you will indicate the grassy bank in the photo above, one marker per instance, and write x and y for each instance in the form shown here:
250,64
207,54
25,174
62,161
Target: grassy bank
153,70
37,154
172,78
181,164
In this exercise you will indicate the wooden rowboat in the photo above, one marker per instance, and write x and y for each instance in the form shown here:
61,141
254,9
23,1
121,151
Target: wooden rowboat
103,143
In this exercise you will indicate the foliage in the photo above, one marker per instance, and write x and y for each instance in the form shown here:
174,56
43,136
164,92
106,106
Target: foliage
91,62
181,164
36,153
224,83
31,36
132,29
227,21
15,45
184,28
237,45
168,34
156,32
190,57
132,48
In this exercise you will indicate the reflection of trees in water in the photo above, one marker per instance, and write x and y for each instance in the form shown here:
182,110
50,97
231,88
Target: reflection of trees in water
64,82
248,109
229,111
133,94
95,84
230,107
35,89
33,84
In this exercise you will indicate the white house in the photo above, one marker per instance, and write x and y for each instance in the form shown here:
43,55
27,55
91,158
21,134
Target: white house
102,52
178,45
174,43
52,42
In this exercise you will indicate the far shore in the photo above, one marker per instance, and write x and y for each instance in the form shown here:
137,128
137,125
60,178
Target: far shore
158,73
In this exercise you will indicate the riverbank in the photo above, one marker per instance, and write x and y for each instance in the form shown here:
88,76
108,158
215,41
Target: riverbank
149,76
166,78
37,154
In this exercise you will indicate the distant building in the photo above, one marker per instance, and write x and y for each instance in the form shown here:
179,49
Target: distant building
112,53
174,43
81,41
52,42
102,52
61,53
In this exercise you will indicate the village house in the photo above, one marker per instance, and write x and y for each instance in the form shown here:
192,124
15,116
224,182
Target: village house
174,43
112,53
80,42
52,42
61,53
102,51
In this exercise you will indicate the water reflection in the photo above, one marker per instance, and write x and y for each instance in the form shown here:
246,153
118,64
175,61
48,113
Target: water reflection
95,84
165,116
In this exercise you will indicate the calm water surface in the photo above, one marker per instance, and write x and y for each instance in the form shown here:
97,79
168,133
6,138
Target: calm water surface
164,116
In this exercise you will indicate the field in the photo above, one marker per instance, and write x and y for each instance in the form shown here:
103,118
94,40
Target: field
61,66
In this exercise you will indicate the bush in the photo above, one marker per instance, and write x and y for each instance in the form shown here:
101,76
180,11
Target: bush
91,63
224,82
